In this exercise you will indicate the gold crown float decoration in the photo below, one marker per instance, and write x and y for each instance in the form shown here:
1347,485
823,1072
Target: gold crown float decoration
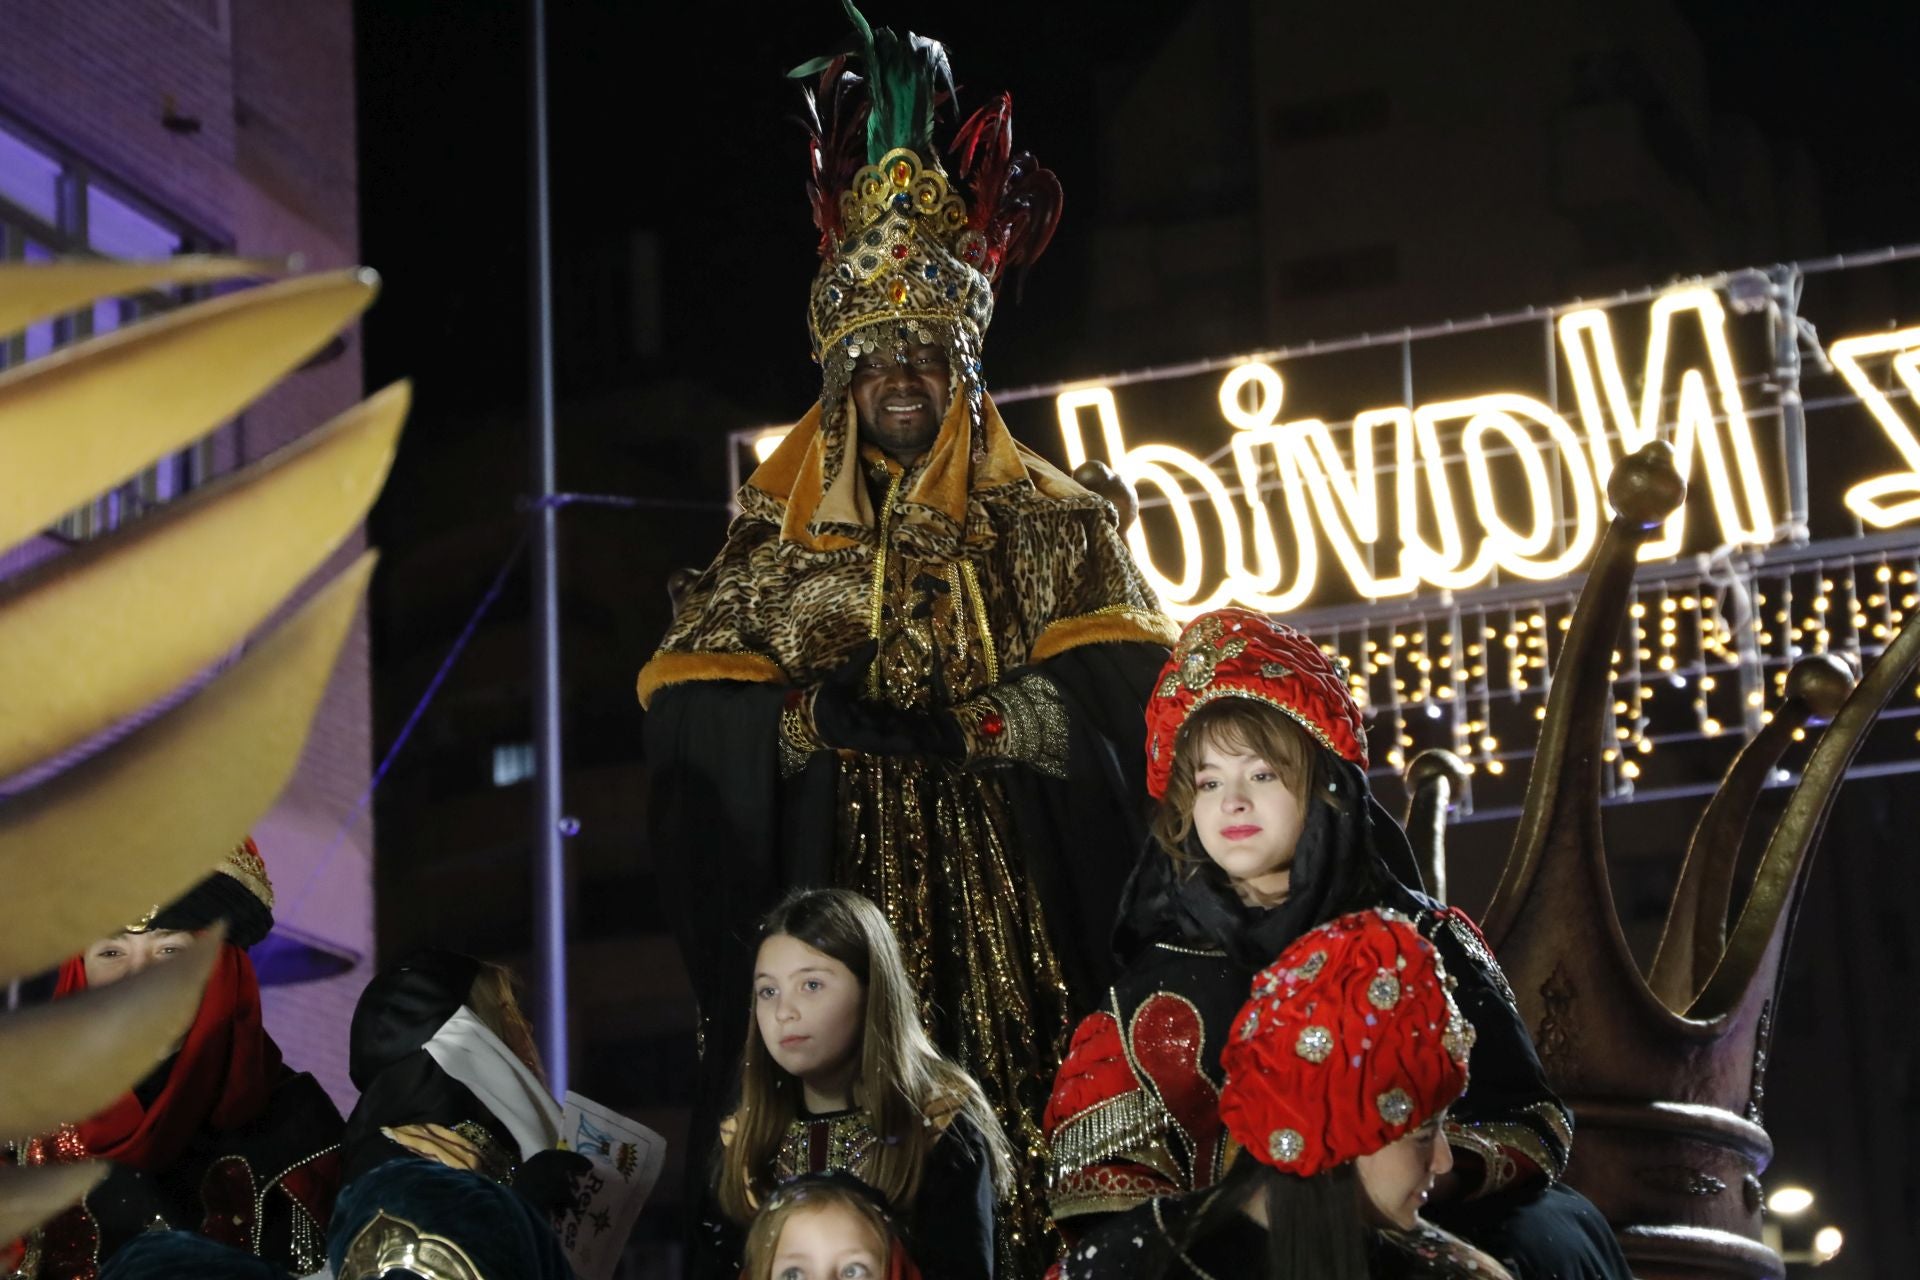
95,834
906,255
1664,1070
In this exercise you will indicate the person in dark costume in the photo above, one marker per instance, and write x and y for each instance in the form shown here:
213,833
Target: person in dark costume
1266,828
223,1138
423,1219
448,1070
839,1077
1338,1071
916,667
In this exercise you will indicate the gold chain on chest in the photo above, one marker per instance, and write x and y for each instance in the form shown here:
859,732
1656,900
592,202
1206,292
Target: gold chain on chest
980,620
877,594
972,602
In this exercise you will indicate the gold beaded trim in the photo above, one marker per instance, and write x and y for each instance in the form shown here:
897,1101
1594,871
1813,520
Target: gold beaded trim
877,594
979,602
1132,1125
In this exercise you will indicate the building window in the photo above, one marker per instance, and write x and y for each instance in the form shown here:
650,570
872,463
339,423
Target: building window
1338,115
1342,271
52,205
512,762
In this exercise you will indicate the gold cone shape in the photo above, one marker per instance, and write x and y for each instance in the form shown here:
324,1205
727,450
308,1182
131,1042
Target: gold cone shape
1757,942
103,1040
28,1197
35,291
93,414
100,633
102,843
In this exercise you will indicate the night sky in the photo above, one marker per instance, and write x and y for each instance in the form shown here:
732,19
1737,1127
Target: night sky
691,133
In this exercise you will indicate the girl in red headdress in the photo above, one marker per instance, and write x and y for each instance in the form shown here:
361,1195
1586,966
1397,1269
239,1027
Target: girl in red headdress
1338,1075
1266,828
222,1138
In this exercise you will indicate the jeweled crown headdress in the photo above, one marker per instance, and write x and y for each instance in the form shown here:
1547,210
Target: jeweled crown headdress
902,249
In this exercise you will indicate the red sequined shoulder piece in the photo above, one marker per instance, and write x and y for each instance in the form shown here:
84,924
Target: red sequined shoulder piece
1169,1039
1095,1071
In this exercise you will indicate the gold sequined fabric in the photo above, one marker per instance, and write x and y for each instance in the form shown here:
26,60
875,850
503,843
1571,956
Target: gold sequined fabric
930,842
1024,554
822,1144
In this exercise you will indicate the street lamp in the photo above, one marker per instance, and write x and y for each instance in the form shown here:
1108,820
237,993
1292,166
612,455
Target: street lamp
1790,1201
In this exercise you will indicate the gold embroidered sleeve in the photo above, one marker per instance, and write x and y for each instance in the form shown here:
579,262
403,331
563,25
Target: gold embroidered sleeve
1542,1136
1020,722
496,1161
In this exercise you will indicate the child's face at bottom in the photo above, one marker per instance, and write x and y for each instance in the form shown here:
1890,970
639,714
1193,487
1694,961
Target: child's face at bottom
830,1242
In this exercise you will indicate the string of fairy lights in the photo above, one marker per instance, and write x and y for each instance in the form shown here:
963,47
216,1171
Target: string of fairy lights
1701,656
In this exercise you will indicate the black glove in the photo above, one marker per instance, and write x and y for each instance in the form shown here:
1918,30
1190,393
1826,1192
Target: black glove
545,1180
847,720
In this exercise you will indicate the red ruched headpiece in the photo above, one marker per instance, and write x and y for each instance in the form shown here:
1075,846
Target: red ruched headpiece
1234,653
1350,1042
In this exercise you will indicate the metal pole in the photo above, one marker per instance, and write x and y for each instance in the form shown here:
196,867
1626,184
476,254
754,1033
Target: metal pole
1785,325
549,856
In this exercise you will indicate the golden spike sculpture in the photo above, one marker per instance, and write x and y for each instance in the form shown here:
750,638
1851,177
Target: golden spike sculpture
1696,929
1433,777
1665,1084
100,633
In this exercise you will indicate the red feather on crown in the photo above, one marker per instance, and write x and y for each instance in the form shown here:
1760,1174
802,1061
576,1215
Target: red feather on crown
1016,203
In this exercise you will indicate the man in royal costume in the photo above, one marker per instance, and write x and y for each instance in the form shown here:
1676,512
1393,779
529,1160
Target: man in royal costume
917,667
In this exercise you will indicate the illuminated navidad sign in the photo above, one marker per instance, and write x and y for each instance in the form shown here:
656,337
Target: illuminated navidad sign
1493,482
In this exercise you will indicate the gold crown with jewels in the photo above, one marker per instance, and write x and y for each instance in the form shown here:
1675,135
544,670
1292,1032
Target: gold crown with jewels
901,246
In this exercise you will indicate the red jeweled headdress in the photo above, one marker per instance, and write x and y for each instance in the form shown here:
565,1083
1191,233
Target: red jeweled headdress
1234,653
903,247
1351,1041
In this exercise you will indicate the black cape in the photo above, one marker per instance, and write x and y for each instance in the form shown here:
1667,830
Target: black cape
714,786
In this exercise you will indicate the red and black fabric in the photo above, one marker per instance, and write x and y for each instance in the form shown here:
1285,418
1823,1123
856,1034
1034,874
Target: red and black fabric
1235,653
1134,1111
1187,934
1349,1043
222,1139
218,1081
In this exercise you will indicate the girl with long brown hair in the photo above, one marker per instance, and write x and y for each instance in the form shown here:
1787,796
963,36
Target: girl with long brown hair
839,1075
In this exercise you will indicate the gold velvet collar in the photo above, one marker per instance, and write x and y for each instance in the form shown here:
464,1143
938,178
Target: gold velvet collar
828,512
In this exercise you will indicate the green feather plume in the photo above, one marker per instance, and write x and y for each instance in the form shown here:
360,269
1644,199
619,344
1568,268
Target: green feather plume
907,79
